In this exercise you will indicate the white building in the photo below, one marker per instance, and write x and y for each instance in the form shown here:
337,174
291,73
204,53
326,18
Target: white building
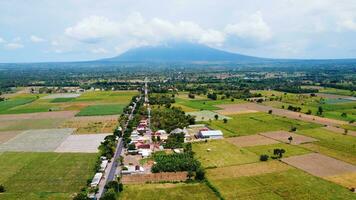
211,134
103,165
96,179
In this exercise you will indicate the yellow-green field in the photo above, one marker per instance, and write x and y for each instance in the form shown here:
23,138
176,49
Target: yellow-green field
44,175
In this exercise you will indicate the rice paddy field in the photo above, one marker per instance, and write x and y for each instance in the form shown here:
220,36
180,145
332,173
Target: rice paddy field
218,153
284,184
104,109
333,107
191,105
33,176
179,191
252,123
32,103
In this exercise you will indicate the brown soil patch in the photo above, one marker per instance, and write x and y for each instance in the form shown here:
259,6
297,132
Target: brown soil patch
251,140
252,169
41,115
320,165
231,109
92,124
284,135
340,130
154,177
348,179
7,135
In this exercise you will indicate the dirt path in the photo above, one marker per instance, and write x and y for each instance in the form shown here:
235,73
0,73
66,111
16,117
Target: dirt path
40,115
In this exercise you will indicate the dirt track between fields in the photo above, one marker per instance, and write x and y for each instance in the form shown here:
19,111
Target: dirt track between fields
283,136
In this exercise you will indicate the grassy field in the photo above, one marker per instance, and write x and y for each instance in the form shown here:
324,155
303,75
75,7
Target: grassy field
179,191
30,124
104,109
119,97
337,91
44,175
191,105
333,108
222,153
5,106
291,150
30,103
290,184
332,140
248,124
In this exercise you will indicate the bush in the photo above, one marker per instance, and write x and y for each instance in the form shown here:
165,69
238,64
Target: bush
293,129
81,196
225,120
2,189
200,174
112,185
270,112
109,195
264,157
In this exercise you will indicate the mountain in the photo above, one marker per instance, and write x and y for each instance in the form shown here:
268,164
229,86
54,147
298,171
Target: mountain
180,52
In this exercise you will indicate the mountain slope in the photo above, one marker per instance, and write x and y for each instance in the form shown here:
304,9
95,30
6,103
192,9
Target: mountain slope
180,52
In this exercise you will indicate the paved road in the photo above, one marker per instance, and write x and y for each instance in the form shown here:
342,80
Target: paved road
112,169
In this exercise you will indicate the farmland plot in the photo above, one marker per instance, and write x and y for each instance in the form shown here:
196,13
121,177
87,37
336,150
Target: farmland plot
45,140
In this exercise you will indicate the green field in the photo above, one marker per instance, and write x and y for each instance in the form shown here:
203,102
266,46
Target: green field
119,97
337,91
44,175
30,103
178,191
222,153
291,150
333,108
5,106
105,109
248,124
196,105
61,100
290,184
332,140
30,124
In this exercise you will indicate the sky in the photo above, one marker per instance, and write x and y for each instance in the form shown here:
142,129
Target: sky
77,30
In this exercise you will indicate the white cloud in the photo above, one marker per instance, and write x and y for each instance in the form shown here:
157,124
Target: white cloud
2,40
92,29
55,43
135,27
348,23
36,39
13,46
99,51
252,26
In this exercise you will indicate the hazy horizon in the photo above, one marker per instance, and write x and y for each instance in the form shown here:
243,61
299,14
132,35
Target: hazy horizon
52,31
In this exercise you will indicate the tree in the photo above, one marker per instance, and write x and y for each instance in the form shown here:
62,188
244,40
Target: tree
200,174
308,112
81,196
109,195
225,120
112,185
216,117
344,115
270,112
346,131
2,189
279,152
264,157
158,138
293,129
290,139
121,187
320,111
